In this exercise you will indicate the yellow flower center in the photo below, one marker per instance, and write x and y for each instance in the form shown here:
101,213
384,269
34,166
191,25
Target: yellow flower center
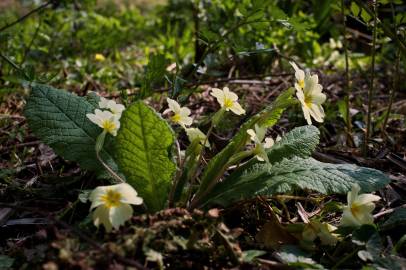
111,198
176,118
355,210
308,101
228,103
109,126
301,83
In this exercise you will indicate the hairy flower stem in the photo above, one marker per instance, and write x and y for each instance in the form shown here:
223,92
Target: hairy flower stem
237,158
347,89
99,146
199,160
177,176
371,87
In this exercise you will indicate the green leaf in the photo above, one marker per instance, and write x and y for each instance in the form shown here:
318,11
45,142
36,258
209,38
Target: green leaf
297,258
143,149
6,262
300,142
365,16
355,9
249,256
154,73
342,108
398,218
59,119
296,173
219,163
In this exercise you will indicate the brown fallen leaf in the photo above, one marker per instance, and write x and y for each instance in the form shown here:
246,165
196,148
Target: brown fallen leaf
274,234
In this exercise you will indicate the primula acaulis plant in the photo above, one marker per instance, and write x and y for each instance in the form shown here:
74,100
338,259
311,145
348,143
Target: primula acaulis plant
137,149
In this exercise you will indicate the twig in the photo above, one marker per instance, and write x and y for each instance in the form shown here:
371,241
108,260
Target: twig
14,65
26,16
347,79
388,211
19,145
395,105
31,42
395,80
371,87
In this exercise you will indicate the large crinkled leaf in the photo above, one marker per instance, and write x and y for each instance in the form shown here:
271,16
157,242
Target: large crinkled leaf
398,218
143,153
299,142
59,119
218,165
297,173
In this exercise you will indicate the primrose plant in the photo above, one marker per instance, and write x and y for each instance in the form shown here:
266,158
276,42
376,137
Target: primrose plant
135,149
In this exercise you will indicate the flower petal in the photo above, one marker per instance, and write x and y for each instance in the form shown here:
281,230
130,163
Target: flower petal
306,113
101,216
119,215
94,118
367,198
128,194
348,220
219,95
299,74
184,111
96,195
317,112
252,134
318,98
186,120
353,194
173,105
300,96
230,95
237,109
103,103
269,142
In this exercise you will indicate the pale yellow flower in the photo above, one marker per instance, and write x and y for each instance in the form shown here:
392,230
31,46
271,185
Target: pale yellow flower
180,114
106,120
112,205
335,44
359,208
227,100
197,134
257,137
299,75
308,91
116,108
99,57
323,231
